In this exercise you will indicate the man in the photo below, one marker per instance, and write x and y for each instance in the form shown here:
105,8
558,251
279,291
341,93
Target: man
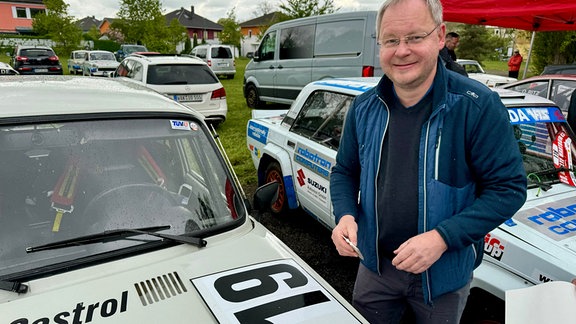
427,166
448,54
514,64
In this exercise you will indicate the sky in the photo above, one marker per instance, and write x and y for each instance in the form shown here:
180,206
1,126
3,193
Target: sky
209,9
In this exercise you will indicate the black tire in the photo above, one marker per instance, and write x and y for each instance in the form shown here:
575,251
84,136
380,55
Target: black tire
253,97
274,173
231,76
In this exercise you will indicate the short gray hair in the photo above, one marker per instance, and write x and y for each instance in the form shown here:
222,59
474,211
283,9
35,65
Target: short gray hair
434,6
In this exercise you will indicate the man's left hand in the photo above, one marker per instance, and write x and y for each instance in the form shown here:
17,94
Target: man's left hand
418,253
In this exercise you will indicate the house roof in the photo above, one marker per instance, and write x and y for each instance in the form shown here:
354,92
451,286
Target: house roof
189,19
86,23
264,20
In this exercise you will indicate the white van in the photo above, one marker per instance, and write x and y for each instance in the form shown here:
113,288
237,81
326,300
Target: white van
296,52
220,58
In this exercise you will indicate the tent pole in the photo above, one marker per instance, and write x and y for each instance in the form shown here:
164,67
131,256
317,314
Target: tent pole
529,54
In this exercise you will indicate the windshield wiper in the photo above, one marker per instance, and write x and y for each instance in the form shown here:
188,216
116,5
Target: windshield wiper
550,171
118,234
14,286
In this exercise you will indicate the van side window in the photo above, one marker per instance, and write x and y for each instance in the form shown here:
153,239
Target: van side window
322,117
201,53
267,47
339,38
297,42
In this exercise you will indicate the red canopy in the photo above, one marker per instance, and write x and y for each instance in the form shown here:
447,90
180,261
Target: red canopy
534,15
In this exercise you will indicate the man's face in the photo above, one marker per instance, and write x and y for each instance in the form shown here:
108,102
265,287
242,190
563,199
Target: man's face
452,42
410,66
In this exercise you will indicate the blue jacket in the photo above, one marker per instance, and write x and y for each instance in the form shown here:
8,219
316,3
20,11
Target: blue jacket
471,176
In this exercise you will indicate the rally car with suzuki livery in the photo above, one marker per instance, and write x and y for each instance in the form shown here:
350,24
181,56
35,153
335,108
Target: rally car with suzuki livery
123,208
298,149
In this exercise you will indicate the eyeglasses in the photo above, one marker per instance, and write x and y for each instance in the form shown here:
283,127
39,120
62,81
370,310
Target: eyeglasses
413,39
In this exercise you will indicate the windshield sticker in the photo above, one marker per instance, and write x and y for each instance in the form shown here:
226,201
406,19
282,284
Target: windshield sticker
556,220
315,187
258,132
272,292
180,124
562,156
313,161
535,114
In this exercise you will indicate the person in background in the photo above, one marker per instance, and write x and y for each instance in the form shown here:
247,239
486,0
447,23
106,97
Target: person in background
427,166
514,64
448,54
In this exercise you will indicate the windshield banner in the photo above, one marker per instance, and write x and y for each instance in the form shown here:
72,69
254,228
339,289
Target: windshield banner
535,114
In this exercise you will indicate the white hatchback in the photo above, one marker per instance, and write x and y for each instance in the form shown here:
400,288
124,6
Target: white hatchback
185,79
476,72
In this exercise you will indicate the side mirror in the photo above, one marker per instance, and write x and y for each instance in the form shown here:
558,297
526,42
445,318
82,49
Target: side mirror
256,57
264,196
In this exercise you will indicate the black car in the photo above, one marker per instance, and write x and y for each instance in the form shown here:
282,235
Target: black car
36,60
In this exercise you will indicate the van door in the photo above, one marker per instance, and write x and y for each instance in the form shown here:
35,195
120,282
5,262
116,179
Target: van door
264,69
294,68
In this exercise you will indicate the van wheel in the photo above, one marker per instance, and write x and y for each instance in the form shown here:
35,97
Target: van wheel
252,97
274,173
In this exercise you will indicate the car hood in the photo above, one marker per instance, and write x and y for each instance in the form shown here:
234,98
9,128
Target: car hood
104,63
491,79
246,278
539,242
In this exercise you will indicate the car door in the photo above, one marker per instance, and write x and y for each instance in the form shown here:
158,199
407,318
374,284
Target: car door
314,137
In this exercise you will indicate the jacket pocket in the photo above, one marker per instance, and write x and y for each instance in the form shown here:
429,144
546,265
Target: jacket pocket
452,271
443,201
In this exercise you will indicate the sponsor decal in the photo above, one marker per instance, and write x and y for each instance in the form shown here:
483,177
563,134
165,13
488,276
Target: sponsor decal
556,220
535,114
493,247
315,187
313,161
83,313
562,157
272,292
180,124
258,132
255,150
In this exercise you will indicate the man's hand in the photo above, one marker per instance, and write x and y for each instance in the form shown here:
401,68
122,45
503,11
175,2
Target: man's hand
418,253
346,227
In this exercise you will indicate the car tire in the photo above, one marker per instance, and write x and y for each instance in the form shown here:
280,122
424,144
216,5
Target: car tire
274,173
252,97
231,76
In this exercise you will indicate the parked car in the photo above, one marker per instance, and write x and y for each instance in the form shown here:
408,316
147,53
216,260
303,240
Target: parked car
476,72
127,49
6,69
220,58
99,63
185,79
35,60
119,208
75,61
559,69
298,150
556,87
293,53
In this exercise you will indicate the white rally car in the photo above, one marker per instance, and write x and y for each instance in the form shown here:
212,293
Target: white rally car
120,208
538,245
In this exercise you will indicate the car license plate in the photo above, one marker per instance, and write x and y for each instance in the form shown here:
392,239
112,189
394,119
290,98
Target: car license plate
40,70
223,64
188,98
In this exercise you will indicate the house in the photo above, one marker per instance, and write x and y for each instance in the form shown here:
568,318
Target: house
16,15
204,29
87,23
105,25
252,30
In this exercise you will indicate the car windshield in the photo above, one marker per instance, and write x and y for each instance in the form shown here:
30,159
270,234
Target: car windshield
36,52
65,180
102,57
547,144
167,74
134,48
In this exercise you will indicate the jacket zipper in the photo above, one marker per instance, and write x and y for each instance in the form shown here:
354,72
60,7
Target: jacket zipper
437,150
376,188
424,220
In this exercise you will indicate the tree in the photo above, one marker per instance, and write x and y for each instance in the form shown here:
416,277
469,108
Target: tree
231,33
58,25
305,8
477,43
142,22
553,48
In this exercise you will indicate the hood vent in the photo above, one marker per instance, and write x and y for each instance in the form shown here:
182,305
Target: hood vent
159,288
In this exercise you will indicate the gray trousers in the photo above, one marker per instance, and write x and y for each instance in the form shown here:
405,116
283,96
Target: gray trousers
385,298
